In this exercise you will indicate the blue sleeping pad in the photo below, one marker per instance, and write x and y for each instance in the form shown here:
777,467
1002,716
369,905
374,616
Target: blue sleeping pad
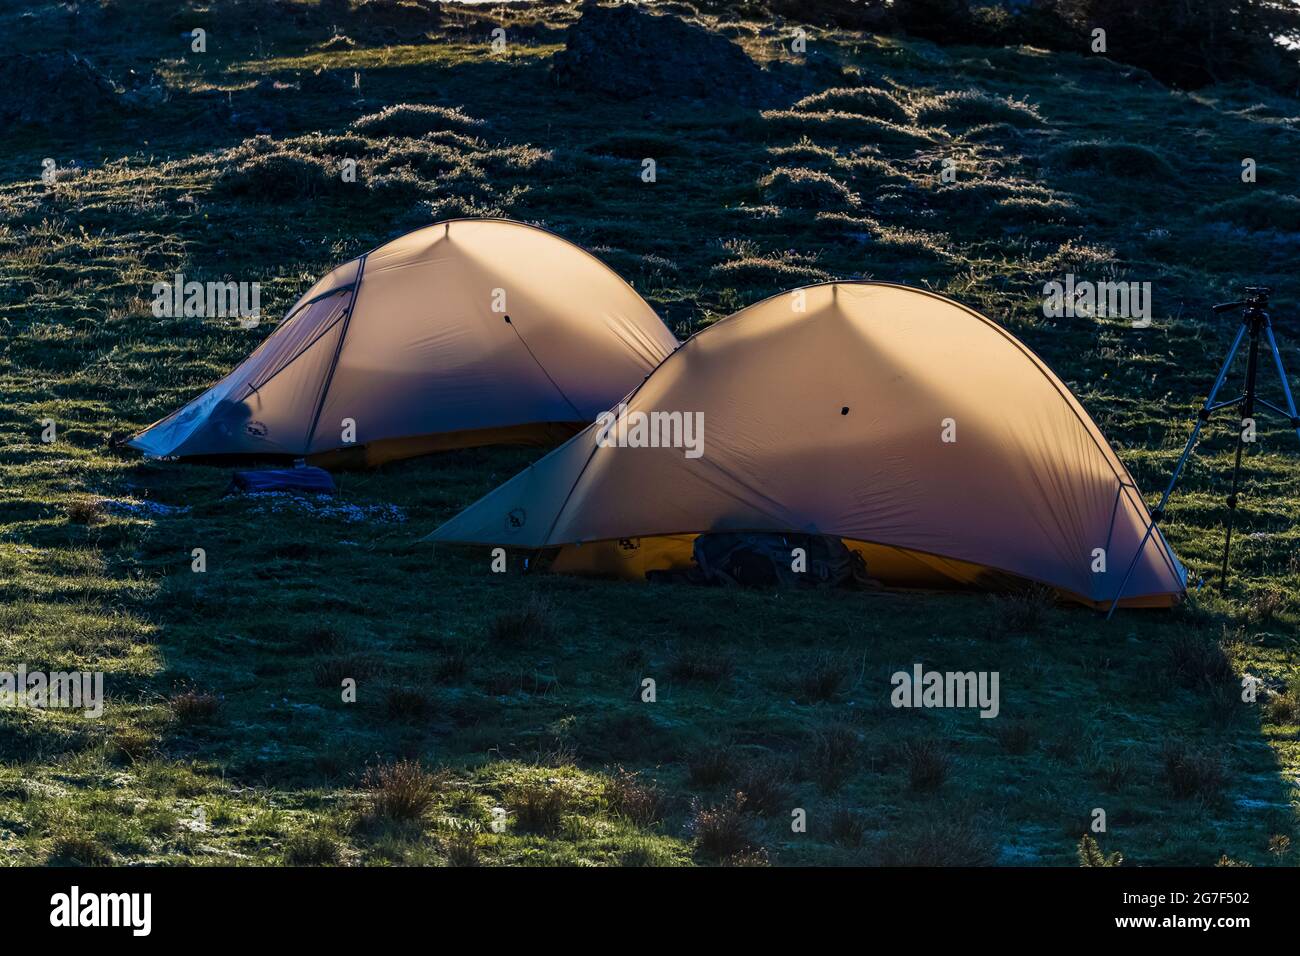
307,478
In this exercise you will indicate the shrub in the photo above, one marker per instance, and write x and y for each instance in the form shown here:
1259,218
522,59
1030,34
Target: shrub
540,806
643,804
1110,158
132,743
974,108
403,184
1282,707
848,827
402,791
766,787
927,764
405,703
1090,854
461,847
412,119
1224,704
281,175
643,853
1262,211
532,621
938,841
724,831
1114,769
820,680
1021,612
859,100
1265,605
1193,771
77,848
1198,663
850,127
87,511
626,734
796,187
311,847
711,766
834,755
194,706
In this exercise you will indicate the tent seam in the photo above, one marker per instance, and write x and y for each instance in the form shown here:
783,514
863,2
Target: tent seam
250,388
338,351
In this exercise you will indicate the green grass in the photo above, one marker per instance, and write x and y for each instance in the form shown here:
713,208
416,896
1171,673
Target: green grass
226,740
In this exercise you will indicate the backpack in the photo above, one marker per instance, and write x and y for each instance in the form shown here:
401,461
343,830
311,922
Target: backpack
765,560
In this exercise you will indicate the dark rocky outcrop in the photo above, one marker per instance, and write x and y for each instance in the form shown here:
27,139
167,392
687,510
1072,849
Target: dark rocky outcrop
624,52
54,90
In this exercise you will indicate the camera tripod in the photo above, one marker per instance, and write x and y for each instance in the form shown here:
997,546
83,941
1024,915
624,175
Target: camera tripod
1255,322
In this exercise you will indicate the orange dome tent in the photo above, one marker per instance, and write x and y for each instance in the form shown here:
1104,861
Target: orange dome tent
468,332
924,435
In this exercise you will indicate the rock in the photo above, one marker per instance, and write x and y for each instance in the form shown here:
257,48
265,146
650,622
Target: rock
54,90
398,18
624,52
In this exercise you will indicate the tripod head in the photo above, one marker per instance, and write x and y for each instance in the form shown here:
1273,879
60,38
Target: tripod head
1256,299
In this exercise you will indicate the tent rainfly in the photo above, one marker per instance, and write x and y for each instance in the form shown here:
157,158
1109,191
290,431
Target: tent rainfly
921,433
468,332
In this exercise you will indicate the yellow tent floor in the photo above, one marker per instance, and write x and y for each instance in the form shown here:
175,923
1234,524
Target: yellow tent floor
630,559
391,449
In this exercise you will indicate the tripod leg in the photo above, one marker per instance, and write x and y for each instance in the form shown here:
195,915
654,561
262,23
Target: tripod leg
1151,526
1232,513
1202,417
1247,411
1286,385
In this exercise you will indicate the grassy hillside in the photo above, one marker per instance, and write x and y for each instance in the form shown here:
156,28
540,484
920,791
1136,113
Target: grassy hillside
513,697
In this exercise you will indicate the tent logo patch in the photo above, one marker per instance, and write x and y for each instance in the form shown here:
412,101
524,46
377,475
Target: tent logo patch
516,519
256,429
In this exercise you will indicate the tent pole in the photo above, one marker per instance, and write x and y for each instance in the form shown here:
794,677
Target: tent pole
338,350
